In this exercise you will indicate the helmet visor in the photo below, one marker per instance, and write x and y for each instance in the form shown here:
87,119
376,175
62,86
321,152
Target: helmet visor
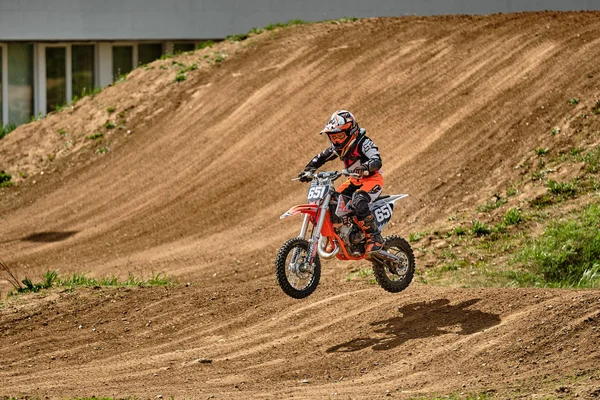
337,137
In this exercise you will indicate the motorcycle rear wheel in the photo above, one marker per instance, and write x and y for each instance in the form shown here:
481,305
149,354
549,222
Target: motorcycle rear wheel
297,279
395,278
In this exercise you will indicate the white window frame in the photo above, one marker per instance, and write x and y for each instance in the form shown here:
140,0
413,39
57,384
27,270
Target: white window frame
134,54
4,80
41,103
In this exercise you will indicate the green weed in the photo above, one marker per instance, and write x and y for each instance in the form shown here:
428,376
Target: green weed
596,108
51,279
542,151
110,110
220,57
291,22
96,136
511,191
205,44
574,101
5,179
564,189
343,20
255,31
459,231
416,236
180,77
513,217
362,273
492,204
237,38
592,160
6,129
555,130
480,396
480,229
102,150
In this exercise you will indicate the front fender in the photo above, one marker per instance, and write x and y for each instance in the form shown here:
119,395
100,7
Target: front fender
310,209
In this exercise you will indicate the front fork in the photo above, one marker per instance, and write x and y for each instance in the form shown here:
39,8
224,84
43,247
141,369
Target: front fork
314,241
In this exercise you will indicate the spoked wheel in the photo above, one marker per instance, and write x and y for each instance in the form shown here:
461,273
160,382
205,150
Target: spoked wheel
296,275
395,276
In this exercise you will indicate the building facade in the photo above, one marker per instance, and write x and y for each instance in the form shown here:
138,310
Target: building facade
54,50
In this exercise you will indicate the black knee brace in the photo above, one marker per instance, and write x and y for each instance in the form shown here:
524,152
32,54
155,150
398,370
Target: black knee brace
360,204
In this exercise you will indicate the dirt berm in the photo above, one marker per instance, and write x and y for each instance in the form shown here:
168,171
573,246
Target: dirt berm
189,178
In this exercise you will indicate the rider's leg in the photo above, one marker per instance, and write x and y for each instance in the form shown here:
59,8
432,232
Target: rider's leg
366,222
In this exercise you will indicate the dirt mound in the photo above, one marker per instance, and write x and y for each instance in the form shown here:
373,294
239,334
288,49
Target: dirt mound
189,178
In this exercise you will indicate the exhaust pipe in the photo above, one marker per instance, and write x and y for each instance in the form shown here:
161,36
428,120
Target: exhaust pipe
322,246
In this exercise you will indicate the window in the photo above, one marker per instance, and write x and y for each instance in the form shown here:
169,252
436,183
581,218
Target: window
148,52
182,47
56,77
1,104
82,69
20,82
122,60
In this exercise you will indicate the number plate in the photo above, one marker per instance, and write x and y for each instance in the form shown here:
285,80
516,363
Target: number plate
383,214
316,193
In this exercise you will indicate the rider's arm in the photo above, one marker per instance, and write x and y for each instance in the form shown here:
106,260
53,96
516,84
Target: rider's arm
371,152
326,155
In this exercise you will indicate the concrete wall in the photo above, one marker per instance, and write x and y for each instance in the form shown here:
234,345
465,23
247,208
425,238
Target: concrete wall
210,19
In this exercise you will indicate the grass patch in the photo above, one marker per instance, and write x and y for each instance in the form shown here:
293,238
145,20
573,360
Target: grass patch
480,228
180,77
416,236
567,254
362,274
492,204
51,279
6,129
237,38
205,44
291,22
562,189
5,179
513,217
96,136
480,396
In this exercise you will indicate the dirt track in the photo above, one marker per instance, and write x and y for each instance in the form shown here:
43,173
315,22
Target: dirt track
193,185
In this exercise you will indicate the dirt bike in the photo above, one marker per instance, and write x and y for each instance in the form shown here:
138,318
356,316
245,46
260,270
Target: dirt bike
334,233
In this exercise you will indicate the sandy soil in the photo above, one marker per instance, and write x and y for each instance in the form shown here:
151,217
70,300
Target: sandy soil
195,174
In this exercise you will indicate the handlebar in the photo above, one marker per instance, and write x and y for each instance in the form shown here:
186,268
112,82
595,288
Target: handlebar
329,174
351,174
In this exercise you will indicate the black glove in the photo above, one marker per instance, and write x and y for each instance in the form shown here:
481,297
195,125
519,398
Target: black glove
362,170
305,176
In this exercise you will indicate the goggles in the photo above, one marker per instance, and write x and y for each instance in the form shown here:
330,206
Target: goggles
337,138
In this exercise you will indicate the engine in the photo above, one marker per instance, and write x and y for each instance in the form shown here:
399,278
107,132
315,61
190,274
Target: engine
353,238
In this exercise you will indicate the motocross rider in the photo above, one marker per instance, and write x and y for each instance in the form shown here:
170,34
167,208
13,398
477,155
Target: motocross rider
360,155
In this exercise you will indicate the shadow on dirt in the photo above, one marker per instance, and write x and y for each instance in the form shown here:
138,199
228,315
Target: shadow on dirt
422,320
49,237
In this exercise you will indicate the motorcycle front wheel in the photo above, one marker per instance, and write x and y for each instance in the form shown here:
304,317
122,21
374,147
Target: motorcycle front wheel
297,276
395,277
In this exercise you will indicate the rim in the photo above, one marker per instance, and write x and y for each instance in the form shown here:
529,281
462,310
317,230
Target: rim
299,274
397,271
